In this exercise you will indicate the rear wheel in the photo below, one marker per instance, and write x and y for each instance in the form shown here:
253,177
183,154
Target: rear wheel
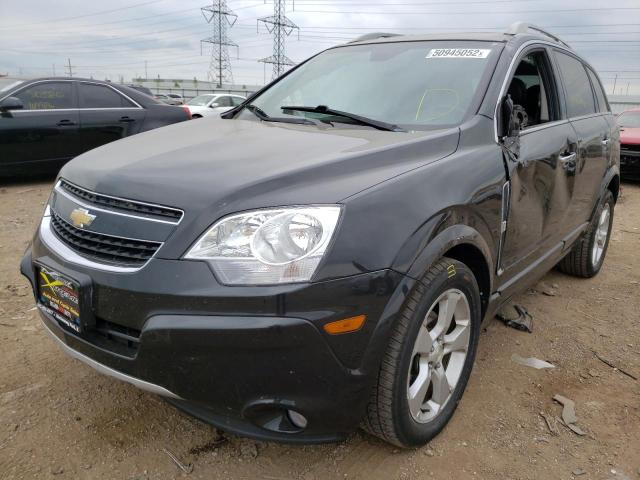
587,255
429,358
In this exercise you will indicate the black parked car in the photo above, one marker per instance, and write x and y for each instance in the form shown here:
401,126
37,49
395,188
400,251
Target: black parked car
307,266
46,122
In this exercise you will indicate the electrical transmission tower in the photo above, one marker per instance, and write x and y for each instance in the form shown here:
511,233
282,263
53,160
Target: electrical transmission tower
220,17
281,27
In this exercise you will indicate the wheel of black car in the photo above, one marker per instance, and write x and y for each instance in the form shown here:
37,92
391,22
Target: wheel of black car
429,357
587,256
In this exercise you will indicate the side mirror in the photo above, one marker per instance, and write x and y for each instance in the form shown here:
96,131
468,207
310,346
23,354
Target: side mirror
11,103
214,105
507,126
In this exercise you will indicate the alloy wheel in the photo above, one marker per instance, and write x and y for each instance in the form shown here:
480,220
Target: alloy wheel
602,231
439,355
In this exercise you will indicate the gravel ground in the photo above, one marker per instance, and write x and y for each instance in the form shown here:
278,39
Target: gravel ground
59,418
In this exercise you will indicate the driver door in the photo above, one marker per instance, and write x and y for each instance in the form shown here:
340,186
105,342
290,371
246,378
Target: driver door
541,164
44,133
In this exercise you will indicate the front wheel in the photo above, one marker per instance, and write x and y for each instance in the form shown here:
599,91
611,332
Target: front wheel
429,357
587,256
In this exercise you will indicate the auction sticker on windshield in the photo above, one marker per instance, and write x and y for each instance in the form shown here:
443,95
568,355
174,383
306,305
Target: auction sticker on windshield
458,53
59,297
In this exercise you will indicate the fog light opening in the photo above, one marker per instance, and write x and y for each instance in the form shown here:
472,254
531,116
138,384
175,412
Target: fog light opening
297,419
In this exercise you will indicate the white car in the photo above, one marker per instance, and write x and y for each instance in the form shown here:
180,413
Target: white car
176,98
212,104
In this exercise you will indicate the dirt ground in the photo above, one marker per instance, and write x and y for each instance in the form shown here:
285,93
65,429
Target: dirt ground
59,418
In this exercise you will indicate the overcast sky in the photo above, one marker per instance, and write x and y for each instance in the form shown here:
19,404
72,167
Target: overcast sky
109,39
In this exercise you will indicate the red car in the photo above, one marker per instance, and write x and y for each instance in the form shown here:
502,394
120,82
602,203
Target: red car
629,122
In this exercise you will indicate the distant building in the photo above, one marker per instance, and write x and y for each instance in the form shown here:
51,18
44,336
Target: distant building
620,103
190,88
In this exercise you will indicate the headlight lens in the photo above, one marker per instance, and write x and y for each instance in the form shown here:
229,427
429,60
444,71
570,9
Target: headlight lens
282,245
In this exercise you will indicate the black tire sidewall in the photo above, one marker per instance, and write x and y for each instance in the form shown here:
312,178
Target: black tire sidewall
410,432
607,198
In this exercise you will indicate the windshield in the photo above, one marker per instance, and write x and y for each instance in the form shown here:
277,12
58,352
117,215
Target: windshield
200,100
7,83
629,120
415,85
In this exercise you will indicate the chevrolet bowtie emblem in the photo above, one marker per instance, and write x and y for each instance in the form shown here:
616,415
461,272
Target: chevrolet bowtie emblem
81,217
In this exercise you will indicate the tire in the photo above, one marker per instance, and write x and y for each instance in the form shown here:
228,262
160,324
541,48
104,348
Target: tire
390,414
581,260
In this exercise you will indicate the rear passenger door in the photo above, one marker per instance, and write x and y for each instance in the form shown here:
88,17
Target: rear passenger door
106,115
592,130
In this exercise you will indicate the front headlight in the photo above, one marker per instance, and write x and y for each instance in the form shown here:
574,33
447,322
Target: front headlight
282,245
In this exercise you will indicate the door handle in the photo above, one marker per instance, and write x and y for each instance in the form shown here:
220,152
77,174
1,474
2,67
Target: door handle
65,123
127,119
569,158
569,162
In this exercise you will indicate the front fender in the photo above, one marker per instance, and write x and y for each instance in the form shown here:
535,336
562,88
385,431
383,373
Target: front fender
445,241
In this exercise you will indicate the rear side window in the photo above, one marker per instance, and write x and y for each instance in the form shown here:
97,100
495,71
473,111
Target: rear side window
577,88
603,105
236,101
99,96
47,96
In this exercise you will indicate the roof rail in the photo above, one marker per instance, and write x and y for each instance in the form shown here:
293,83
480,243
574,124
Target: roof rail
524,27
373,36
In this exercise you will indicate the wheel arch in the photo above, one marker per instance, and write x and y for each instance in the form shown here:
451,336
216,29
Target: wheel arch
611,183
465,244
614,186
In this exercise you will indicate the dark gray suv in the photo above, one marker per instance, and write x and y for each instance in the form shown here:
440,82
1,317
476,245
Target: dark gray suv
324,256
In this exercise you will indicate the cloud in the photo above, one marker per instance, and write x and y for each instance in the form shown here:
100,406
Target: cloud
167,33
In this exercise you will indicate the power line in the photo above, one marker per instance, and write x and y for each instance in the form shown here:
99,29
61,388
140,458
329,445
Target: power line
103,12
481,12
127,20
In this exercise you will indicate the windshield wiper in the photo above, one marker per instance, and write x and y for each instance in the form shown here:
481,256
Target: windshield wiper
262,115
380,125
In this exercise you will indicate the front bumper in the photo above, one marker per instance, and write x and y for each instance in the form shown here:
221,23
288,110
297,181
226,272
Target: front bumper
629,164
237,357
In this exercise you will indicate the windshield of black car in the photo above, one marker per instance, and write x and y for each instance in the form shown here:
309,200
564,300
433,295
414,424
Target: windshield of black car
7,83
414,85
629,120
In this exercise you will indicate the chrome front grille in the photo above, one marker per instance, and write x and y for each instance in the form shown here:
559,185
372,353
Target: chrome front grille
103,248
119,204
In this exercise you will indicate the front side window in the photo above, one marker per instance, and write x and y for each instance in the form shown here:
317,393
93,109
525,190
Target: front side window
531,91
577,88
47,96
223,102
415,85
100,96
629,119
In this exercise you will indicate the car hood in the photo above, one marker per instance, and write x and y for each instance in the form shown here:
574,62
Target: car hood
211,167
630,135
